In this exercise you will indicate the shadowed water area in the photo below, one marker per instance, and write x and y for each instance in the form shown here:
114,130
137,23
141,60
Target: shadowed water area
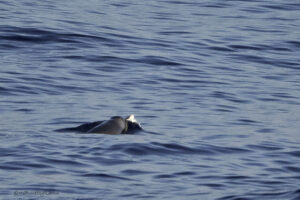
214,84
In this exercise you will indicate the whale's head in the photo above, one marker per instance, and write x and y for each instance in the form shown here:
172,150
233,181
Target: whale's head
132,123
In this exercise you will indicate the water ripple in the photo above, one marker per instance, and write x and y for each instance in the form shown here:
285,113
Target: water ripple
105,177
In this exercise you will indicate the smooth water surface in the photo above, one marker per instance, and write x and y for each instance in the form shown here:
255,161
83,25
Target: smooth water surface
215,84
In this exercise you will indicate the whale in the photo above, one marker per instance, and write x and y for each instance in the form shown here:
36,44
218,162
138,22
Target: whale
114,125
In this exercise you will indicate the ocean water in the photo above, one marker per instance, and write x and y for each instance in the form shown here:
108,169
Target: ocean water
215,85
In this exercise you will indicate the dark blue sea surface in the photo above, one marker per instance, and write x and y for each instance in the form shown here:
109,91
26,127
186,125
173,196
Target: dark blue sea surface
215,85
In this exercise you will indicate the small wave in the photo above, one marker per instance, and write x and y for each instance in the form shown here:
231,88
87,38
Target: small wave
5,91
11,167
267,61
26,165
105,176
221,49
293,169
264,147
294,153
156,148
229,97
295,43
285,6
52,161
131,172
41,36
155,60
